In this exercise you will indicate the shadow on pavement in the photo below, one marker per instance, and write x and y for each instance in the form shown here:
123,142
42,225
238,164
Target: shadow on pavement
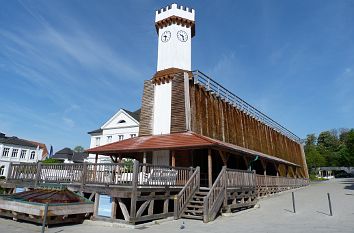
349,182
291,211
320,212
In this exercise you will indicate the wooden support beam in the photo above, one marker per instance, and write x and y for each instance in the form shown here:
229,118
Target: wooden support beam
246,160
224,157
124,209
114,208
96,158
144,157
173,159
96,204
210,169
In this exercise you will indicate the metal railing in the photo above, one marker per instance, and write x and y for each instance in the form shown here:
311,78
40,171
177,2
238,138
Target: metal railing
214,87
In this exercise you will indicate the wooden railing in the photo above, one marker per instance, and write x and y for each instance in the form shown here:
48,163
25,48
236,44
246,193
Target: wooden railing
240,178
215,197
278,181
100,174
185,195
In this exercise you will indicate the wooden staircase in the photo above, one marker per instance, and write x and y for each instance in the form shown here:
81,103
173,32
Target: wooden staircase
194,209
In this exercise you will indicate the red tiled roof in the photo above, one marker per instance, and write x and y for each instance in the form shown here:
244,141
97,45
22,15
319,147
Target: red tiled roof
175,141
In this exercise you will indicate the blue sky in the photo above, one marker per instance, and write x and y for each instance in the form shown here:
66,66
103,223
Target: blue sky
67,66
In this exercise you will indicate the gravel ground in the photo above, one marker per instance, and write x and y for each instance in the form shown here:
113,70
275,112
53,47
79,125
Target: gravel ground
273,215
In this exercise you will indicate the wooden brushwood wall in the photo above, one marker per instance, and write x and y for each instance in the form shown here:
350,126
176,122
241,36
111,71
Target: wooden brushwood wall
215,118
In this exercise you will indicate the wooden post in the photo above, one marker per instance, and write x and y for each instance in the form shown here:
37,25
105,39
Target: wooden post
38,174
134,191
173,160
9,171
210,169
144,157
96,205
114,208
83,176
96,158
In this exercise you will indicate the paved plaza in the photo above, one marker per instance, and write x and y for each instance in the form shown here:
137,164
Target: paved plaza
273,215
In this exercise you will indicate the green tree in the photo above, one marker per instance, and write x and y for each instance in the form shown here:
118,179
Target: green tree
79,149
51,160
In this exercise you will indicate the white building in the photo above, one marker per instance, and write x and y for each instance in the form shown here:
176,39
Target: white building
16,150
123,125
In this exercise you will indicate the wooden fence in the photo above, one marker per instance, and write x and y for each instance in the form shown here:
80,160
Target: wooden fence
100,174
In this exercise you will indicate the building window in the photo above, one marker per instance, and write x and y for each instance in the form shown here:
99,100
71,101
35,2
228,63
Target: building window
2,170
33,154
5,152
14,153
120,137
109,139
23,154
121,121
98,141
133,135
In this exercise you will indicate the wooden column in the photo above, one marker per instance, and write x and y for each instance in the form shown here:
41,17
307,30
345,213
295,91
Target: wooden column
144,157
96,205
173,159
96,159
114,208
210,169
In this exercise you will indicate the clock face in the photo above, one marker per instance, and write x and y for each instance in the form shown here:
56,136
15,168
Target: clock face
182,36
166,35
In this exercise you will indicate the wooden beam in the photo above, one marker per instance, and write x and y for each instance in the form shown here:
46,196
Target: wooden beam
210,169
224,157
96,158
124,209
96,204
114,208
173,160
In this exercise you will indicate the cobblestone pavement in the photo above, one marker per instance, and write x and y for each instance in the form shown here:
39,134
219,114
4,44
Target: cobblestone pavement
274,215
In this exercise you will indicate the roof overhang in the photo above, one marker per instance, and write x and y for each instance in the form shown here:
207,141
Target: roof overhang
177,141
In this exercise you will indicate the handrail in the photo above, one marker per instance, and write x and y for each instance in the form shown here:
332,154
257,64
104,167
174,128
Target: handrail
99,174
186,193
215,197
217,89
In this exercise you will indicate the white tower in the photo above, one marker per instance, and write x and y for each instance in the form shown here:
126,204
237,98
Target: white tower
175,27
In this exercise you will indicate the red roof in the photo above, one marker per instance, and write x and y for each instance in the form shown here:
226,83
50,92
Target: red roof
175,141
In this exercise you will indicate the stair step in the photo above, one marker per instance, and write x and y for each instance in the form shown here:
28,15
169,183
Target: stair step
198,217
194,212
195,206
196,202
204,189
201,193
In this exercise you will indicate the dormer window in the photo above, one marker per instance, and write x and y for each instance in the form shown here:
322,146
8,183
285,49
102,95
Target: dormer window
121,121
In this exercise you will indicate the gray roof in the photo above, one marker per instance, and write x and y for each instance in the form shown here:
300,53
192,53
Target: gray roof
70,155
95,131
135,115
15,141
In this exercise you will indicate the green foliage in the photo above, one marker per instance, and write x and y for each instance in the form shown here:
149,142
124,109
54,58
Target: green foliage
128,164
331,148
78,149
51,160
